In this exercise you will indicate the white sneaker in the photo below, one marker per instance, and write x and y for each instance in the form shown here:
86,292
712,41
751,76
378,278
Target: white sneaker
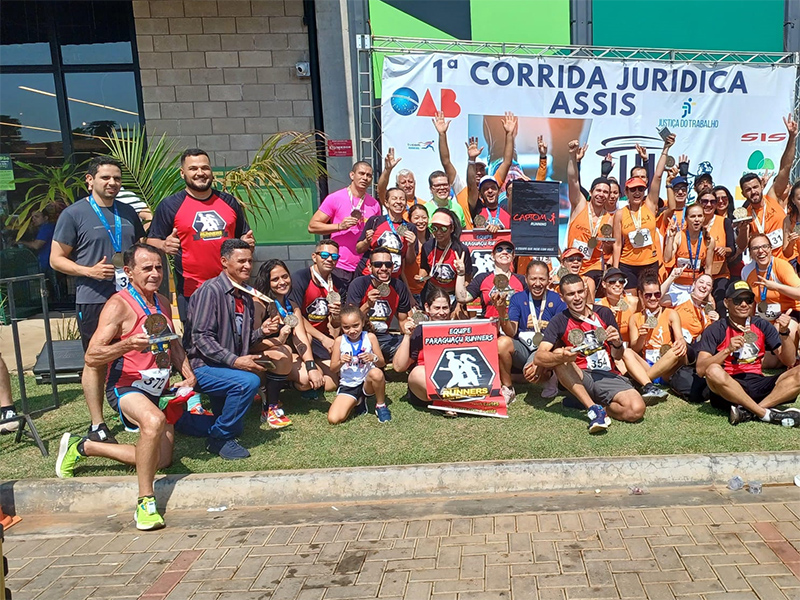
509,393
550,389
8,412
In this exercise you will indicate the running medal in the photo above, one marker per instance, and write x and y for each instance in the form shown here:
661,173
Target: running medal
418,317
708,308
538,337
763,306
291,320
334,297
383,290
500,282
638,239
117,260
664,349
356,214
562,270
750,336
670,161
401,230
155,324
592,243
651,322
740,215
576,337
607,232
601,336
622,305
479,221
162,360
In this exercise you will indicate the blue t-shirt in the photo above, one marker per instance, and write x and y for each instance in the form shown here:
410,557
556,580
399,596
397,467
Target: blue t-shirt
45,234
519,310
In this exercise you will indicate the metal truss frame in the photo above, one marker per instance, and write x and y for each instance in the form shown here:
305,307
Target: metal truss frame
368,46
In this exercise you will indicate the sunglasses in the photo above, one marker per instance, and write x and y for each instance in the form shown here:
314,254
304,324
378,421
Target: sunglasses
326,255
708,201
506,249
655,295
639,189
576,258
386,264
617,281
438,228
743,299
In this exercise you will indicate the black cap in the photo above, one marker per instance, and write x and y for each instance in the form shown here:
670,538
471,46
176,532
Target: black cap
738,288
613,271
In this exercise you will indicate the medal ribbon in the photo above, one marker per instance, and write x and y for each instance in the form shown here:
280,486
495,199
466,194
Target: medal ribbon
594,222
360,200
355,350
637,223
759,226
284,312
533,310
322,283
162,346
693,262
441,259
493,220
116,237
394,230
763,287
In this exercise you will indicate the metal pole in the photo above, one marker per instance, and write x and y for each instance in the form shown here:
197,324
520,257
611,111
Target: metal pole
49,337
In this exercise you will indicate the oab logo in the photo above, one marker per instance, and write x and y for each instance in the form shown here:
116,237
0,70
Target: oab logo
405,102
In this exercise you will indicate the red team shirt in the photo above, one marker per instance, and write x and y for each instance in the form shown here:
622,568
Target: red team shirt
202,227
312,298
482,286
748,359
384,235
443,275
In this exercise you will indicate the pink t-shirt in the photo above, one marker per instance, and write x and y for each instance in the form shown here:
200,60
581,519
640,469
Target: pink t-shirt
338,207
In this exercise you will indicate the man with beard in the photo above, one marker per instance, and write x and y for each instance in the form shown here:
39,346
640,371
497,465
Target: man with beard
192,225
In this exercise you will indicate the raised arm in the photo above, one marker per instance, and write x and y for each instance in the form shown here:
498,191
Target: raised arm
576,197
510,125
781,182
473,152
441,125
541,172
389,163
655,184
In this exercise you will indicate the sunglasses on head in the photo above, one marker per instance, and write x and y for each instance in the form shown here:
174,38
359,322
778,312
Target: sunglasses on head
436,228
745,298
506,249
655,295
326,255
382,264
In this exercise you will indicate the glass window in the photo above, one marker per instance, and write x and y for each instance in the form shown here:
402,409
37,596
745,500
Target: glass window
98,104
95,33
23,34
29,123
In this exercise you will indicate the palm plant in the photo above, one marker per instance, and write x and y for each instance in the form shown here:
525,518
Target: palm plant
51,184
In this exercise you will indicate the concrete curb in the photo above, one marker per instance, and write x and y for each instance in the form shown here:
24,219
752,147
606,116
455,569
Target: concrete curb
105,495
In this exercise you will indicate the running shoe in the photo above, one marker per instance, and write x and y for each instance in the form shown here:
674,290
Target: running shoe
102,434
740,415
275,418
598,419
146,515
509,393
8,412
68,455
789,417
384,416
652,394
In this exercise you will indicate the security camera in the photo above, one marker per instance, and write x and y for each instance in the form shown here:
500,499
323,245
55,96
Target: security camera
303,69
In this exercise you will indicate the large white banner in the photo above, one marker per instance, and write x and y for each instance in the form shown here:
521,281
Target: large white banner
727,118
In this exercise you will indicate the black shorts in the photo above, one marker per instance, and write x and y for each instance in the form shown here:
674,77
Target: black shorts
354,391
87,315
634,272
113,396
389,343
754,385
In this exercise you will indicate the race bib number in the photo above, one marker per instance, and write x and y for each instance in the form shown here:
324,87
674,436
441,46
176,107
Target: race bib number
651,356
776,238
120,279
526,337
687,337
598,361
583,247
640,238
685,263
773,312
153,381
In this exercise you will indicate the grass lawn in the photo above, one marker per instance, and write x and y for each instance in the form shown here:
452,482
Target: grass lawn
536,428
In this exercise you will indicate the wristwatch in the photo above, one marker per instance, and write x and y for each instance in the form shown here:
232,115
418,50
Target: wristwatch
311,365
783,333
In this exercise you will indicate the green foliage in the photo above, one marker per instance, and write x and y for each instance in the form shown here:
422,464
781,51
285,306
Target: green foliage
286,160
149,169
51,185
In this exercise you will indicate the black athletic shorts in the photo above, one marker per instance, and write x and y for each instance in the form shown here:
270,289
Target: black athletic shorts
756,386
87,315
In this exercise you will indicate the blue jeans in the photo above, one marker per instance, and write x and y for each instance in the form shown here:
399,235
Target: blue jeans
231,392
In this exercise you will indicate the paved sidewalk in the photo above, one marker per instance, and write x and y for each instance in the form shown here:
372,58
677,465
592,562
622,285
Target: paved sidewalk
679,543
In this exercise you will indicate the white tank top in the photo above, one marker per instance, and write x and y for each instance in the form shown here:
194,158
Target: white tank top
355,373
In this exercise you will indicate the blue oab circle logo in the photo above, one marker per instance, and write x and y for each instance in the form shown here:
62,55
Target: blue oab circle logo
405,101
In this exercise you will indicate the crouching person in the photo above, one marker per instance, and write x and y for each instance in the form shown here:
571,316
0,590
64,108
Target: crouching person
138,375
582,344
